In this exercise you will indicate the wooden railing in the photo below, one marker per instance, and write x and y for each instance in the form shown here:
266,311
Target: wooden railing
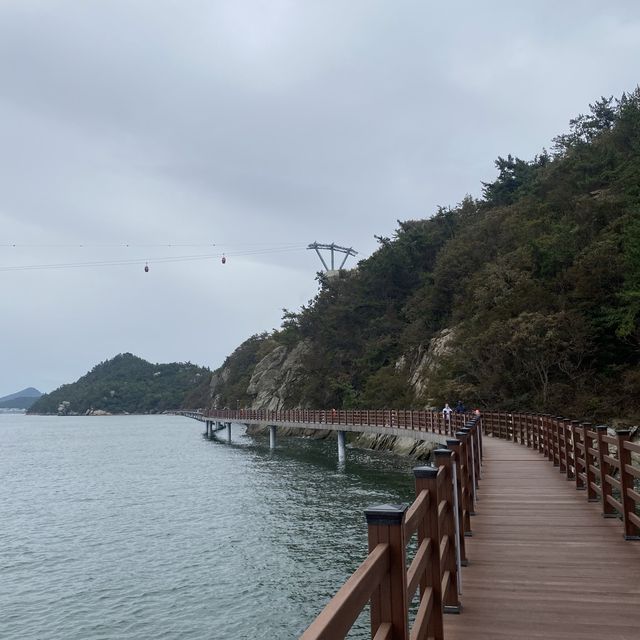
439,518
598,463
431,421
196,415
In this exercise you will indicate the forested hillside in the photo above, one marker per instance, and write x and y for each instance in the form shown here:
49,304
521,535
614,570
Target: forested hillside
531,294
128,384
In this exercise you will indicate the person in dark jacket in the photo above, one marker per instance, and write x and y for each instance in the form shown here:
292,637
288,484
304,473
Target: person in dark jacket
460,407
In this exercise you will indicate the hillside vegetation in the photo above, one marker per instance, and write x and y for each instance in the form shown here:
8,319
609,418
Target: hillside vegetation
536,287
128,384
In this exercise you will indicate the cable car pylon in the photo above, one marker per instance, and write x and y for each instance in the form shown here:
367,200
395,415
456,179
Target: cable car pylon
332,248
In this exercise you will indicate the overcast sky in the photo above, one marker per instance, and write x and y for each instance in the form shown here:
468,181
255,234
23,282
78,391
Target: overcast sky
257,127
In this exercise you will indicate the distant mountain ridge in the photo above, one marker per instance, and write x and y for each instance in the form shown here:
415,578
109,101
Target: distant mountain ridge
128,384
21,399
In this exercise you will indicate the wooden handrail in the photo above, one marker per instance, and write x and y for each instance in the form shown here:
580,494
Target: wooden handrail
406,420
599,463
435,566
343,609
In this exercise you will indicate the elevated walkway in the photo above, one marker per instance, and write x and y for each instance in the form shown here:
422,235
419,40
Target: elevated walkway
543,562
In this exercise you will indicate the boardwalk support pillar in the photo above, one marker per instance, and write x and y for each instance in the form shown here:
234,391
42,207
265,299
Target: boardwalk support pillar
272,436
342,452
229,431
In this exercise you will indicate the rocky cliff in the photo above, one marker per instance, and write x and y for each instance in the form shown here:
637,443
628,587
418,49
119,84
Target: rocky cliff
276,380
268,382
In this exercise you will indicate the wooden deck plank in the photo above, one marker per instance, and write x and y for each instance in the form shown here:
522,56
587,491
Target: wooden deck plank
544,563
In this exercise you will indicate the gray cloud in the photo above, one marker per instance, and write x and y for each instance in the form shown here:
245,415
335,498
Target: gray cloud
250,124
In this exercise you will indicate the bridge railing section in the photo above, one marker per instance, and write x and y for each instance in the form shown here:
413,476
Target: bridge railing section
599,463
196,415
431,421
384,579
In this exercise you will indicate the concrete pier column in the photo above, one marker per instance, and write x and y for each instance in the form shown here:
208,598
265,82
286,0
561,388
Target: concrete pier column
208,428
229,431
272,436
342,452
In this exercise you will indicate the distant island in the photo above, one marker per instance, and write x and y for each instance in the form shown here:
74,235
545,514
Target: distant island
21,399
128,384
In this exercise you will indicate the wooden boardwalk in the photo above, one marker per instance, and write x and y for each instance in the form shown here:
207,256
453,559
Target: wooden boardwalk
543,563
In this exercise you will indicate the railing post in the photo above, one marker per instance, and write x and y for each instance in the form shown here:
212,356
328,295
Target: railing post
608,510
577,445
446,519
465,481
536,426
389,600
454,445
549,432
557,455
427,478
562,445
589,461
475,452
631,530
471,469
568,436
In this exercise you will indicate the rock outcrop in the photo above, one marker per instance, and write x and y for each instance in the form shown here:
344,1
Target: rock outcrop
218,379
416,449
423,361
277,375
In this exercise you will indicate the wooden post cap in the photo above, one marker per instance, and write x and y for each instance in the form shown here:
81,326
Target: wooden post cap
442,453
425,472
388,514
461,434
602,427
623,432
452,443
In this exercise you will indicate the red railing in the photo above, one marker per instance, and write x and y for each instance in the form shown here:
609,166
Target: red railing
431,421
598,463
383,579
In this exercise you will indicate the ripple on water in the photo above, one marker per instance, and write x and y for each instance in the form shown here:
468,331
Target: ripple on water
137,528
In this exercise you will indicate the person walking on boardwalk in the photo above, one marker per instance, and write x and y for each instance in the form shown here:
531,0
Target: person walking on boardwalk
460,407
446,412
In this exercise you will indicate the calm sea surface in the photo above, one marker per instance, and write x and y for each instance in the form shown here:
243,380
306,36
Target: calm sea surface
140,528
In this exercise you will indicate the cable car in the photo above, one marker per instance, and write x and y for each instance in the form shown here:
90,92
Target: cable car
146,268
224,260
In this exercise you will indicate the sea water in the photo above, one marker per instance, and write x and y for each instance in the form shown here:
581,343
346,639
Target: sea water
138,527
